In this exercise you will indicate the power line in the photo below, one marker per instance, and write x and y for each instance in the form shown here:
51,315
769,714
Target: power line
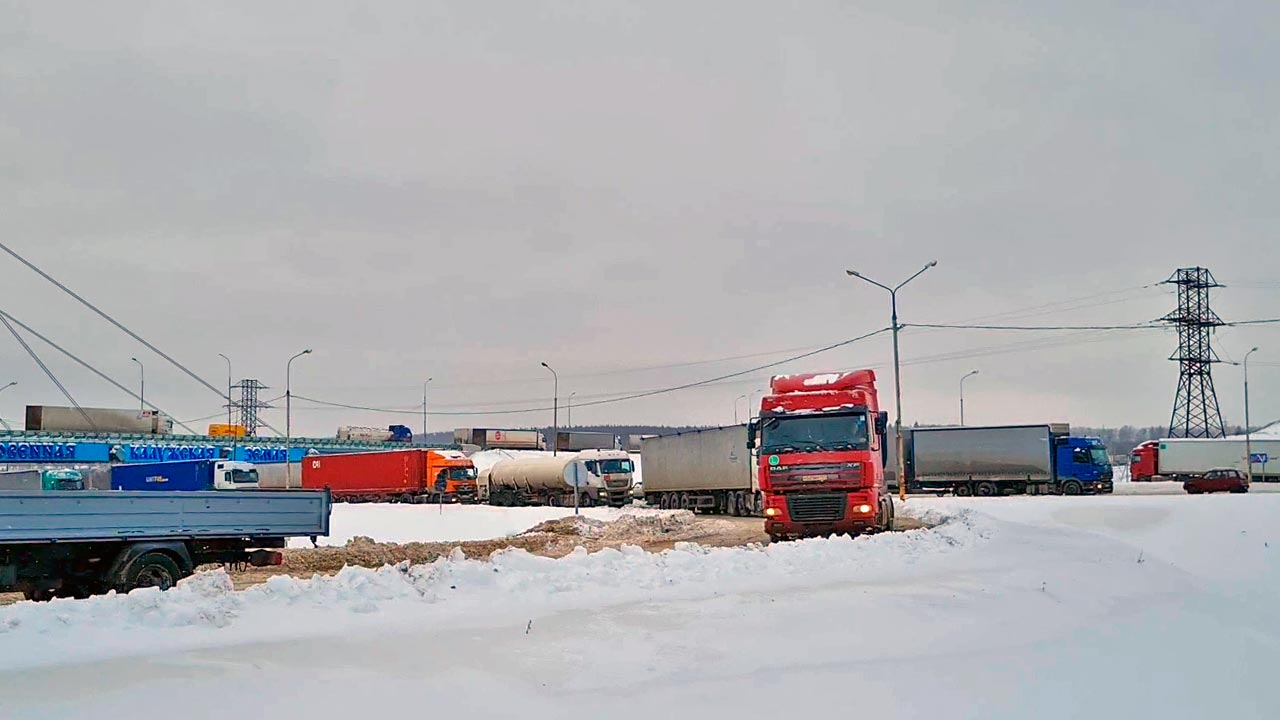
939,326
624,398
90,368
118,325
53,378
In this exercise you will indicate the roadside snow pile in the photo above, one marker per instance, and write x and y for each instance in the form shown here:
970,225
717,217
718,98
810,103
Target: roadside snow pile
205,610
403,524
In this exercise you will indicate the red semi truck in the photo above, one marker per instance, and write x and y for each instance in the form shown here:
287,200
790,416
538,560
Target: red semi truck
393,476
821,443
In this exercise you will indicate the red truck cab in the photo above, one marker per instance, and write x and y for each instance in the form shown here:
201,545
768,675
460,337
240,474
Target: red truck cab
1144,463
820,439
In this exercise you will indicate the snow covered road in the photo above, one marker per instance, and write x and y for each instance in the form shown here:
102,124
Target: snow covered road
1012,608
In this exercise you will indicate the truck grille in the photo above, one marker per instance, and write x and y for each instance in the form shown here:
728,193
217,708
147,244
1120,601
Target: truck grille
824,507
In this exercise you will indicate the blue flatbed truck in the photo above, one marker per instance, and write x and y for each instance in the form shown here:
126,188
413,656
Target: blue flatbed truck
76,544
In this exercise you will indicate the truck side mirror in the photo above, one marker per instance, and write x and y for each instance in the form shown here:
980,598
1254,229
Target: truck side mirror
752,429
882,422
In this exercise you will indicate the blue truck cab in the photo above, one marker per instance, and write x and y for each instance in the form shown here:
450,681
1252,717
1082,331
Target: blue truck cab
185,475
1083,466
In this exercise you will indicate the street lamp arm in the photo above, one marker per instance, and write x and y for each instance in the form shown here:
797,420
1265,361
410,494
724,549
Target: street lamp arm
860,276
919,272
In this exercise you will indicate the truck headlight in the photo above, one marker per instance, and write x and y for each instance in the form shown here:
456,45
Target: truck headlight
772,512
864,509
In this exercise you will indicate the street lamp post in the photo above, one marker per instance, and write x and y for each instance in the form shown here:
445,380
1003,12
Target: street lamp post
555,413
736,419
288,419
2,389
224,357
424,409
966,377
142,387
897,365
1248,433
569,421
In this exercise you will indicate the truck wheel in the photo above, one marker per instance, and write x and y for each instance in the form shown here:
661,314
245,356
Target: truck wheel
1071,487
964,490
987,489
684,501
584,500
153,569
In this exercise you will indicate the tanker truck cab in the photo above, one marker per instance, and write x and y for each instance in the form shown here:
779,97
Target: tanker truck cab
820,440
612,472
1083,466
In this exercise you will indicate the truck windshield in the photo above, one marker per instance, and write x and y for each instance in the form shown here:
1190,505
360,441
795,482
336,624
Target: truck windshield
462,473
1100,456
609,467
244,477
815,433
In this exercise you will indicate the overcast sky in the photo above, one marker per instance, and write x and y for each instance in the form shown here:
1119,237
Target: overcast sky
464,190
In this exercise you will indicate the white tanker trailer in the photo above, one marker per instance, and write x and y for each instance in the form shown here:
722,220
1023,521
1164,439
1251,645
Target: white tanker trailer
606,477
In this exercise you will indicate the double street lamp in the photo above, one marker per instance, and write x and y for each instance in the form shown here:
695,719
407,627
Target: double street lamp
288,419
897,365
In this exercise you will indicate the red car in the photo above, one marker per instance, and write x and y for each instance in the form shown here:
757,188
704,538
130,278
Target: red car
1218,480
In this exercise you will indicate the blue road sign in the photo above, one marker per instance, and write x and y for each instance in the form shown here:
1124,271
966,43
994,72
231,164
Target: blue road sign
1259,458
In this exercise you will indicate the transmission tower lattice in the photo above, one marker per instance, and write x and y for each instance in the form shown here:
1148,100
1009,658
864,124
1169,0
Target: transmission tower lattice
1195,410
248,405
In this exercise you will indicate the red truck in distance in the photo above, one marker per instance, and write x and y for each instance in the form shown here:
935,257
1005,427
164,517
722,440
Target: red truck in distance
410,476
821,443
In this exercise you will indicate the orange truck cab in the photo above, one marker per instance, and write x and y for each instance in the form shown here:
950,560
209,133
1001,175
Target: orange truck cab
821,441
452,474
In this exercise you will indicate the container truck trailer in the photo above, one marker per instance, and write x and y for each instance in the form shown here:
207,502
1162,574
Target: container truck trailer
599,476
412,476
1002,460
821,439
1182,459
487,439
185,476
52,418
703,470
76,544
577,441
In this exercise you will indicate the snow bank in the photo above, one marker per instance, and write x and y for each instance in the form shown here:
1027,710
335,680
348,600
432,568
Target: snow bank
433,523
205,610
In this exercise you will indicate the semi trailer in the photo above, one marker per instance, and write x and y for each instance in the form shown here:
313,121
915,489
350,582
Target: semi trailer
487,439
574,441
53,418
703,470
598,476
185,476
1001,460
76,544
411,476
821,439
1182,459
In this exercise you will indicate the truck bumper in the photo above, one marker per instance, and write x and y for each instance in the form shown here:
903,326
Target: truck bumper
783,530
1101,487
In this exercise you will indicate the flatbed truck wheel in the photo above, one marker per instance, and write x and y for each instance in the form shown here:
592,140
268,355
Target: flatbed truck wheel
154,569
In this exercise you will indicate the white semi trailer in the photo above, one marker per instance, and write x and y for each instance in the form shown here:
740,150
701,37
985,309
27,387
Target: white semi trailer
603,477
710,470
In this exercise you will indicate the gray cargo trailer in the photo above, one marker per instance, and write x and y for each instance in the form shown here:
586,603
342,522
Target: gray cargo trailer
567,441
710,470
54,418
22,480
75,544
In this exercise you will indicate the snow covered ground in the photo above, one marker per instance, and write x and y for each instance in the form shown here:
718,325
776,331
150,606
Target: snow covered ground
1048,607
